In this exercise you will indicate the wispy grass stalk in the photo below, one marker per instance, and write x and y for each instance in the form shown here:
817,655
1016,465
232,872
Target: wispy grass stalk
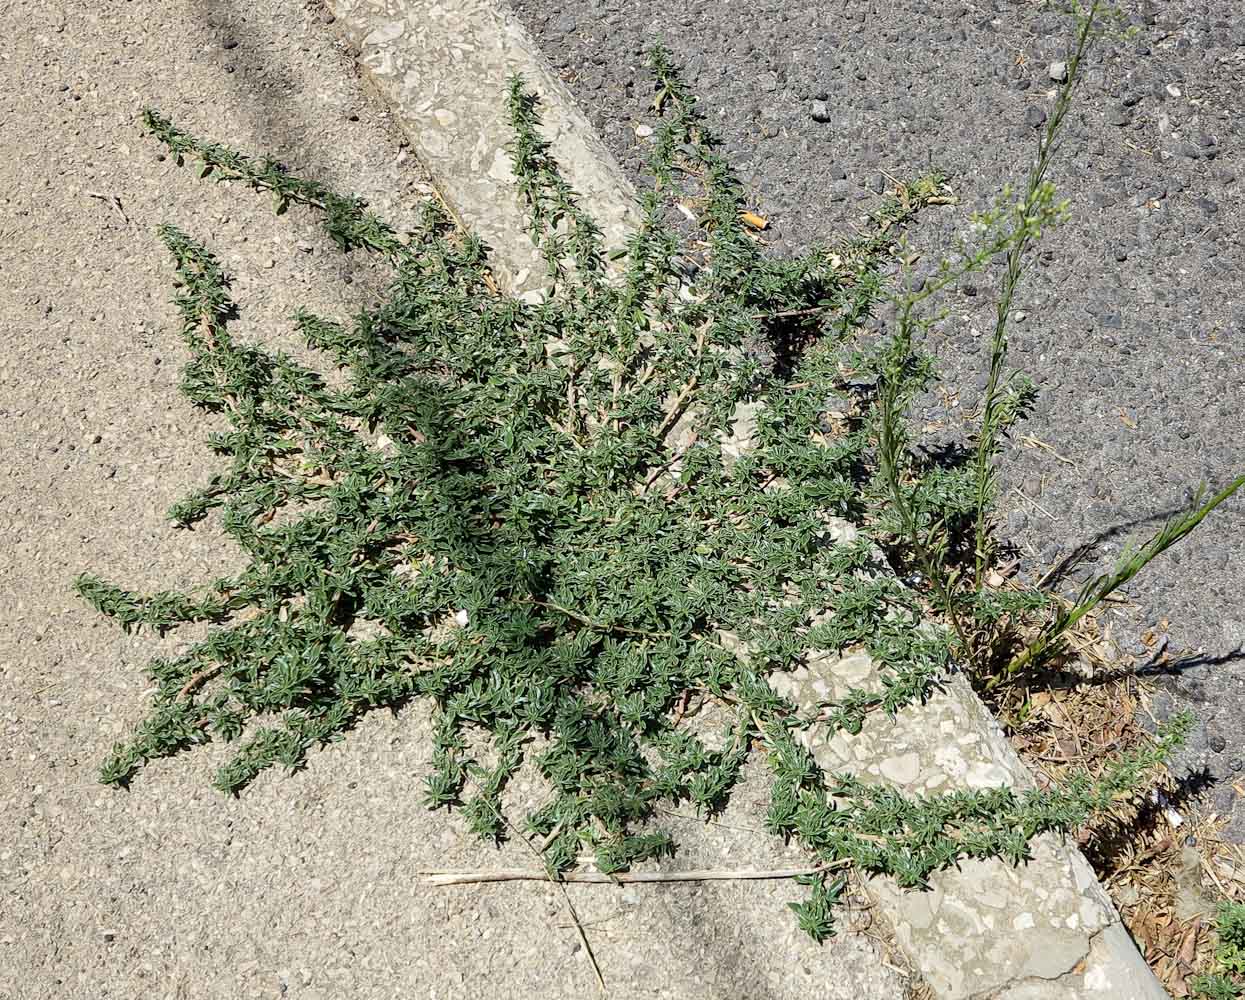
998,408
1098,589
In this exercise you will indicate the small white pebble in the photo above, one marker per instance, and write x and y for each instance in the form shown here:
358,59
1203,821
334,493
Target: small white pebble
461,618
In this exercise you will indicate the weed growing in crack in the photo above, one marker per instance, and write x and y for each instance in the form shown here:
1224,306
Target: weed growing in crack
942,519
564,520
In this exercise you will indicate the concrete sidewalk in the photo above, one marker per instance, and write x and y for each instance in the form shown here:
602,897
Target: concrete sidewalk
303,887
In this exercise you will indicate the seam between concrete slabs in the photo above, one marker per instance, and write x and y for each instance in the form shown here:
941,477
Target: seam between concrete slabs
985,930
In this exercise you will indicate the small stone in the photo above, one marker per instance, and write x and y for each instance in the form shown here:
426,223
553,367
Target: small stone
1173,90
643,131
1119,117
1033,486
820,112
1059,72
1217,742
838,190
1121,255
109,936
903,770
1035,117
270,263
837,173
229,43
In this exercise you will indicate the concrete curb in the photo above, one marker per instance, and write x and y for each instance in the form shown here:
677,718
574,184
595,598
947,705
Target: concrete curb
444,67
986,931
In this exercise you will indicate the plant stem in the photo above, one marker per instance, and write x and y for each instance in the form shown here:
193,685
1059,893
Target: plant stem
618,878
890,447
991,419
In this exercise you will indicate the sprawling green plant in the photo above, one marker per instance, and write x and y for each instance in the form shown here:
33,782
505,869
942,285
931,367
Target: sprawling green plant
566,520
1227,980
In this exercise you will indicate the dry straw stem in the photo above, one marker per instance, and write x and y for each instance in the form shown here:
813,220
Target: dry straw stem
618,878
570,907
